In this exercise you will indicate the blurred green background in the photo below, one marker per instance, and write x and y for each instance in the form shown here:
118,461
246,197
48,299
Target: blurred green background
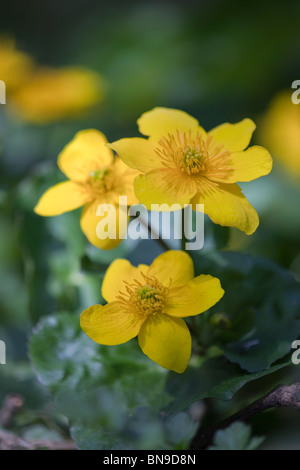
219,61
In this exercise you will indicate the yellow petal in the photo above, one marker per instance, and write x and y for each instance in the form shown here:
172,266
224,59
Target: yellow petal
197,296
280,131
54,94
62,197
175,265
234,137
89,224
110,324
124,182
247,165
87,152
226,205
163,121
119,272
137,153
163,187
16,67
166,341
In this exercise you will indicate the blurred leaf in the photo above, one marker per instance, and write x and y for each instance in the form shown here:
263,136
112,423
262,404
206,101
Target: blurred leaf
18,377
38,432
92,266
216,236
144,429
180,429
236,437
88,438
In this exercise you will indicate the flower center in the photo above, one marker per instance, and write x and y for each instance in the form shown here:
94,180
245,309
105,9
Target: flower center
144,298
100,181
194,154
194,159
99,174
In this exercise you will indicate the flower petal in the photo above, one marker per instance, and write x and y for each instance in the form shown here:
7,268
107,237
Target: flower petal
137,153
163,121
124,176
250,164
110,324
197,296
175,265
226,205
62,197
280,131
119,272
163,187
234,137
85,153
166,341
89,224
51,94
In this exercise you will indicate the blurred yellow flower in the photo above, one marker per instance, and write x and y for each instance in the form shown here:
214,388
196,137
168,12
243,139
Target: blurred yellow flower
96,178
150,301
280,131
15,66
183,164
54,94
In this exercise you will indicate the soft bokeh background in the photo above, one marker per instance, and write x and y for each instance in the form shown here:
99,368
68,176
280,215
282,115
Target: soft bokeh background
218,60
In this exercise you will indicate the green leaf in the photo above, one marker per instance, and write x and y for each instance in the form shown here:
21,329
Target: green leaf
88,438
92,266
37,432
216,236
64,357
101,388
145,430
262,303
215,378
236,437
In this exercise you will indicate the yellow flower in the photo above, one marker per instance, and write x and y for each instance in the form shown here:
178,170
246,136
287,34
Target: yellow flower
95,178
280,131
183,164
150,301
15,66
56,94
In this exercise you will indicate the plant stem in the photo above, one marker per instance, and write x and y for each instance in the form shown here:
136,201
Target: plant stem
183,239
281,396
156,236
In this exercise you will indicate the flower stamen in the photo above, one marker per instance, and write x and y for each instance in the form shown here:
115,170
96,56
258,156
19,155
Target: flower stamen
194,155
144,298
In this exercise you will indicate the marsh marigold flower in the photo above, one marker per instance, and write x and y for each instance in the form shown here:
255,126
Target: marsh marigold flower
280,131
150,302
15,66
54,94
183,164
95,178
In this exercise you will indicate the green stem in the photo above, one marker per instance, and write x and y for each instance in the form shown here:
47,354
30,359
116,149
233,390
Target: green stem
163,244
183,239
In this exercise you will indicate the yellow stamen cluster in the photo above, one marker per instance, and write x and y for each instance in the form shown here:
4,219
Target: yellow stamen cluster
100,181
194,154
144,299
